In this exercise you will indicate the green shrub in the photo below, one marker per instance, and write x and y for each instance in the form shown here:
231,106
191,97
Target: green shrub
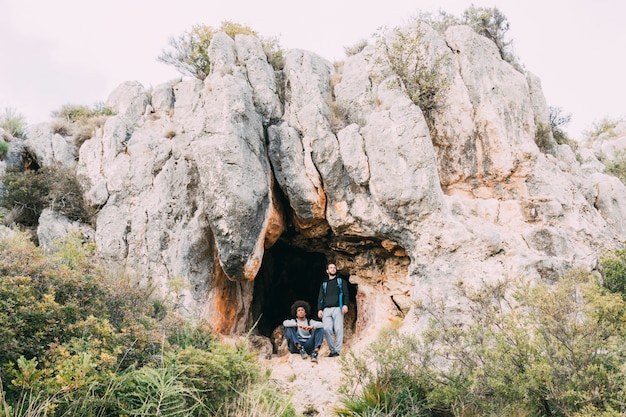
31,191
100,109
219,372
543,139
13,123
187,335
422,77
4,149
159,391
557,121
77,342
221,380
274,52
66,196
39,300
439,21
260,400
32,402
49,300
189,52
617,167
47,297
514,349
491,23
73,113
26,192
613,268
601,127
396,383
488,22
80,121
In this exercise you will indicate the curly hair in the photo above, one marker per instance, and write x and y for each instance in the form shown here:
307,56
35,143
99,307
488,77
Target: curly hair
300,303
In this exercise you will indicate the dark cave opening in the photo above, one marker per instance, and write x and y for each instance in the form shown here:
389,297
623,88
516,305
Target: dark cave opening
289,273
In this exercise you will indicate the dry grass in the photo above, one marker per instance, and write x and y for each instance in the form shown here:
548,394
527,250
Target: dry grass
339,116
263,400
80,122
356,48
61,127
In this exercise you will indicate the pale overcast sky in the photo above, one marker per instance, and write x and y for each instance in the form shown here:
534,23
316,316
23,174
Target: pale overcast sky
56,52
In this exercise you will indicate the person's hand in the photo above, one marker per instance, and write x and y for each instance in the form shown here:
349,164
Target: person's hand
320,314
344,309
305,327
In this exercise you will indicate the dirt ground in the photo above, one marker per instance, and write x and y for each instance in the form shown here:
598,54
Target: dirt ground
313,386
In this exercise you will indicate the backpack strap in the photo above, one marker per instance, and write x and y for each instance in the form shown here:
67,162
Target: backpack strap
339,284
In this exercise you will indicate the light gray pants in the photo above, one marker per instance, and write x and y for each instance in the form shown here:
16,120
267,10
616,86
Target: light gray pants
333,322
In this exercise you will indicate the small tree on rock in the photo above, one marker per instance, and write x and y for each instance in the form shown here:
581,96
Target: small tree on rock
188,53
491,23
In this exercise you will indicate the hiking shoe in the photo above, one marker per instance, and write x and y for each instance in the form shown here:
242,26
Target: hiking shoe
314,356
332,354
303,353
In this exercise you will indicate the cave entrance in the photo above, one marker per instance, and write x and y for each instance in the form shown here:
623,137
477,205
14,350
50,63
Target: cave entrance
289,273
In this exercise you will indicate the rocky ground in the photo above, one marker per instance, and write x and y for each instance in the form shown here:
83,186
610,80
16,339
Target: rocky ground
314,387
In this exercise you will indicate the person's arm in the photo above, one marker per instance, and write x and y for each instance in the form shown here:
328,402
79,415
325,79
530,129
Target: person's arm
320,297
320,304
316,324
290,323
346,295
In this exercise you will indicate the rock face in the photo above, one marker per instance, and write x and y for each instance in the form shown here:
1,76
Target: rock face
243,186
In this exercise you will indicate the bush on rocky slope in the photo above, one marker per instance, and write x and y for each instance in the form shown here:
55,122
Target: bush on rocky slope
513,349
76,341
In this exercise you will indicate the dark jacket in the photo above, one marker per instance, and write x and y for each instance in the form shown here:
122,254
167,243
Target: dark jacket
331,298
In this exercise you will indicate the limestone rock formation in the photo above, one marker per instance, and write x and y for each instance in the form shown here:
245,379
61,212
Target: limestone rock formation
53,227
246,184
49,149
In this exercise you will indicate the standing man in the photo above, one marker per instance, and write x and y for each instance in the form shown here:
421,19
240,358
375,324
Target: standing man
303,335
332,304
